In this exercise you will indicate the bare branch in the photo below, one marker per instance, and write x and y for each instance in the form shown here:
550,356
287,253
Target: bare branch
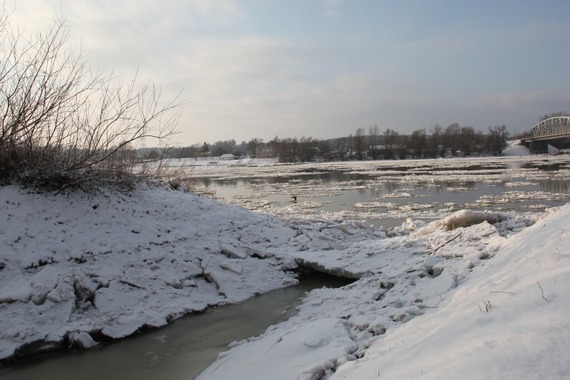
62,124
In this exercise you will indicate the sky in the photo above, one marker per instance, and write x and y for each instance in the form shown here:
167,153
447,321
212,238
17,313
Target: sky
324,68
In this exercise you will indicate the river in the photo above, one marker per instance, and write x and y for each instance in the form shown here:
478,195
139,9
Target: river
180,351
386,193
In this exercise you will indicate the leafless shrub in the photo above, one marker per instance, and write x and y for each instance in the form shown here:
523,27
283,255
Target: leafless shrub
63,125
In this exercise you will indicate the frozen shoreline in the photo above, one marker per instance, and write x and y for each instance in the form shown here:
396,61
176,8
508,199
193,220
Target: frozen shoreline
79,268
448,286
82,267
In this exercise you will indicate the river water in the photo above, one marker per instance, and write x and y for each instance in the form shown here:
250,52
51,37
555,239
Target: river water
386,193
180,351
382,193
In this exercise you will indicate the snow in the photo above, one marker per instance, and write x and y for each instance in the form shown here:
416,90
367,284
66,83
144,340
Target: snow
475,294
488,304
507,321
301,352
113,263
515,149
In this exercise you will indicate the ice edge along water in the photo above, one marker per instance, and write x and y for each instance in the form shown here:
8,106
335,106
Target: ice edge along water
79,267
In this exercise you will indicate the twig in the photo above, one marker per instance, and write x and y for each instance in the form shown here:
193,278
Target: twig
488,306
131,284
542,292
447,242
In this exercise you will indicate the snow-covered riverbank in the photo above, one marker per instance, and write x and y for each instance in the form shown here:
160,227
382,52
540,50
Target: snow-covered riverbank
442,301
466,295
77,268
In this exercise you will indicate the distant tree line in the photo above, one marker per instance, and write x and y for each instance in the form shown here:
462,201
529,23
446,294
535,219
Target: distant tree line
373,144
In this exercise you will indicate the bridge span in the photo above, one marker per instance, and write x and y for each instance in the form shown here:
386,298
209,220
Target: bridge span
553,131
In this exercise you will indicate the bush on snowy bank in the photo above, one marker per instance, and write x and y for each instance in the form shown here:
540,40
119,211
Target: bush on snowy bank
65,126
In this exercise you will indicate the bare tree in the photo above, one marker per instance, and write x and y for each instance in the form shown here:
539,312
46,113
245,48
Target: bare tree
452,137
254,147
63,125
359,143
467,140
342,147
435,142
373,133
390,137
418,143
497,139
287,150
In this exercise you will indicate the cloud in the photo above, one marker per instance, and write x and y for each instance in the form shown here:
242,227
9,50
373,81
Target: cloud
332,8
521,100
245,73
220,10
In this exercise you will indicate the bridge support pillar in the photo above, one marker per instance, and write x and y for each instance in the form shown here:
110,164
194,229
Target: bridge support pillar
538,147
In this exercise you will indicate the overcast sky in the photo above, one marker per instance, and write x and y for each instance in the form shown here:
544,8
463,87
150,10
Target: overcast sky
322,69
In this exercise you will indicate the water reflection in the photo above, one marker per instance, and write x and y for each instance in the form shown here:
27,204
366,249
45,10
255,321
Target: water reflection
554,185
388,194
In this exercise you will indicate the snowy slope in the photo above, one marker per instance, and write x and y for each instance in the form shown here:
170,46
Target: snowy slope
443,302
81,267
473,295
111,263
509,320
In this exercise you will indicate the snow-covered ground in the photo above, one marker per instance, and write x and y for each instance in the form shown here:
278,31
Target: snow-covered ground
77,267
475,294
490,304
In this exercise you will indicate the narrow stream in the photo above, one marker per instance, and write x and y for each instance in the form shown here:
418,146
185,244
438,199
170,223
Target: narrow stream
180,351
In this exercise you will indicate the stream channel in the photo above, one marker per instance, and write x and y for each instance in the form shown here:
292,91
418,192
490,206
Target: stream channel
180,351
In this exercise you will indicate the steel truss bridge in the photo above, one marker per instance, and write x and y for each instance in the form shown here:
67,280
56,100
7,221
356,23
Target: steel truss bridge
553,131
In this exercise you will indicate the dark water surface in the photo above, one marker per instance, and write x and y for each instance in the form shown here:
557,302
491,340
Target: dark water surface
179,351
